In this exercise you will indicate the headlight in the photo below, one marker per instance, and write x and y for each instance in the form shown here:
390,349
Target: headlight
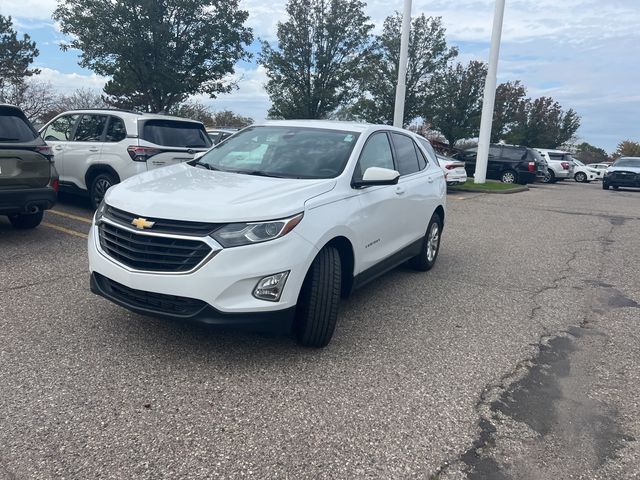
236,234
99,212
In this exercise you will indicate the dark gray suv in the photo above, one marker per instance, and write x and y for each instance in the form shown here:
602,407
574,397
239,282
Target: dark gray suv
28,178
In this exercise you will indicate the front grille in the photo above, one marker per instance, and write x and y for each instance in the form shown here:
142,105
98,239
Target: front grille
154,302
625,176
149,252
162,225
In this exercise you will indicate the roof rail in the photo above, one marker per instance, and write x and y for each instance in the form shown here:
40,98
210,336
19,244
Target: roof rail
106,109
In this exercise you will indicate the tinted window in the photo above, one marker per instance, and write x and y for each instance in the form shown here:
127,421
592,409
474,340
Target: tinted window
116,130
407,158
422,161
376,153
90,128
558,156
494,151
172,133
14,128
289,152
61,128
515,154
430,151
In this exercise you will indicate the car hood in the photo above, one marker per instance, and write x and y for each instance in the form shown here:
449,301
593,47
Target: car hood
184,192
623,169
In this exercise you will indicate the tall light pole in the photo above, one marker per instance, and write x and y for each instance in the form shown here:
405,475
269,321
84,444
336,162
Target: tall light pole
488,103
398,112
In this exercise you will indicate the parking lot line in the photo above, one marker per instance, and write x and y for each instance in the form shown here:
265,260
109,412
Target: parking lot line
65,230
69,215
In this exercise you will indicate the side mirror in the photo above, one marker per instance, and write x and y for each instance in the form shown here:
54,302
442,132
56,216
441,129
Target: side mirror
199,155
377,176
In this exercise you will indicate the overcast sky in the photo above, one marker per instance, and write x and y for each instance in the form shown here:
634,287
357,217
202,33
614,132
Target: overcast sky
584,53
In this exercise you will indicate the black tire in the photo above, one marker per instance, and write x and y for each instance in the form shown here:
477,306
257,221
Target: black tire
26,220
317,311
580,177
427,257
509,176
99,186
616,187
550,177
605,186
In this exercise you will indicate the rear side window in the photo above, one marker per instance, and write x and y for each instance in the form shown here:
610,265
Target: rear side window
60,129
116,130
15,128
515,154
431,153
171,133
407,158
90,128
494,151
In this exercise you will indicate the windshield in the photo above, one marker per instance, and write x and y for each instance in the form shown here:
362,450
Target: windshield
627,162
173,133
287,152
13,128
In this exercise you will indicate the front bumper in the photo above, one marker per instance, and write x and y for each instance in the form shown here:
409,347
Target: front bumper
224,283
19,200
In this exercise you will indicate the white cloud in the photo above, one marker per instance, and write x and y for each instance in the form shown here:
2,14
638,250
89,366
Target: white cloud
68,82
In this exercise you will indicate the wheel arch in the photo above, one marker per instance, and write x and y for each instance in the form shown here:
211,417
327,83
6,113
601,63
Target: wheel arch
97,169
440,211
347,262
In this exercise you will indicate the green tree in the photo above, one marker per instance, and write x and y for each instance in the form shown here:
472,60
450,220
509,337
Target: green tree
544,125
16,55
321,49
587,153
227,118
627,148
510,109
428,54
455,101
157,52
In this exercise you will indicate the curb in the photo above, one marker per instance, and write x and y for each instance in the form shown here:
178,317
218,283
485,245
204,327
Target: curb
522,188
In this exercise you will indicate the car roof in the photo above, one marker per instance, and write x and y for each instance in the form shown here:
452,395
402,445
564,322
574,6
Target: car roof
550,150
328,125
131,114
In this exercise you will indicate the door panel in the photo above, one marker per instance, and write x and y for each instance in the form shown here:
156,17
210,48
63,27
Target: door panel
85,149
58,134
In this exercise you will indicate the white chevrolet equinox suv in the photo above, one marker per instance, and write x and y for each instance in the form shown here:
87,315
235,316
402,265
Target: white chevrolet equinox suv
274,224
95,149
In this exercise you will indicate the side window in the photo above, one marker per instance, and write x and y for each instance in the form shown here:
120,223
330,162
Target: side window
116,130
60,129
431,154
515,154
90,128
494,151
407,157
376,153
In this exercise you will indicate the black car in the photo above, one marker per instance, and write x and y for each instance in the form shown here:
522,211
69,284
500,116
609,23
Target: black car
625,172
28,178
508,163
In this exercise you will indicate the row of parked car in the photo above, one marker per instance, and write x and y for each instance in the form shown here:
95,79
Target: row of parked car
517,164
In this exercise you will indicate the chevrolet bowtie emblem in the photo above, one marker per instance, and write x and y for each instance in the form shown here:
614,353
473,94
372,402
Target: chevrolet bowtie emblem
142,223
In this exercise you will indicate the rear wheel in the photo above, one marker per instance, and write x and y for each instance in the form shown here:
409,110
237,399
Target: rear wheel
26,220
580,177
616,187
509,176
605,186
317,311
99,187
549,177
426,259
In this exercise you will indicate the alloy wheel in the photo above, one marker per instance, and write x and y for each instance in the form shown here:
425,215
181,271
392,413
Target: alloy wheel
433,241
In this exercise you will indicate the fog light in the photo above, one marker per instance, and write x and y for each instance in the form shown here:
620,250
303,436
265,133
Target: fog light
270,288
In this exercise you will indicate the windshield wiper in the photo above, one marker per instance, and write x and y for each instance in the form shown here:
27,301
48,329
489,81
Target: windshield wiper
206,165
259,173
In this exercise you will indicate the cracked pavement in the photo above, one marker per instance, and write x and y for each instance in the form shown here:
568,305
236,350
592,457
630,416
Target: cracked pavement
515,357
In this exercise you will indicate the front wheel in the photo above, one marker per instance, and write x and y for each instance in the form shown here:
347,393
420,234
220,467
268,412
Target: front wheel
605,186
509,176
99,187
426,259
317,310
26,220
580,177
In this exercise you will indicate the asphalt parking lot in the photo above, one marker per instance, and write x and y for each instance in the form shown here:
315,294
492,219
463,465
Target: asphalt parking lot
515,357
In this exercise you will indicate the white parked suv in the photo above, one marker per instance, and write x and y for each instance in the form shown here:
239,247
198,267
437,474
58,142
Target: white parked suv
559,165
95,149
273,225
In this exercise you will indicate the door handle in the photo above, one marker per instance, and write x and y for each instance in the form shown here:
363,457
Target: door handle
430,179
399,191
93,149
58,147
